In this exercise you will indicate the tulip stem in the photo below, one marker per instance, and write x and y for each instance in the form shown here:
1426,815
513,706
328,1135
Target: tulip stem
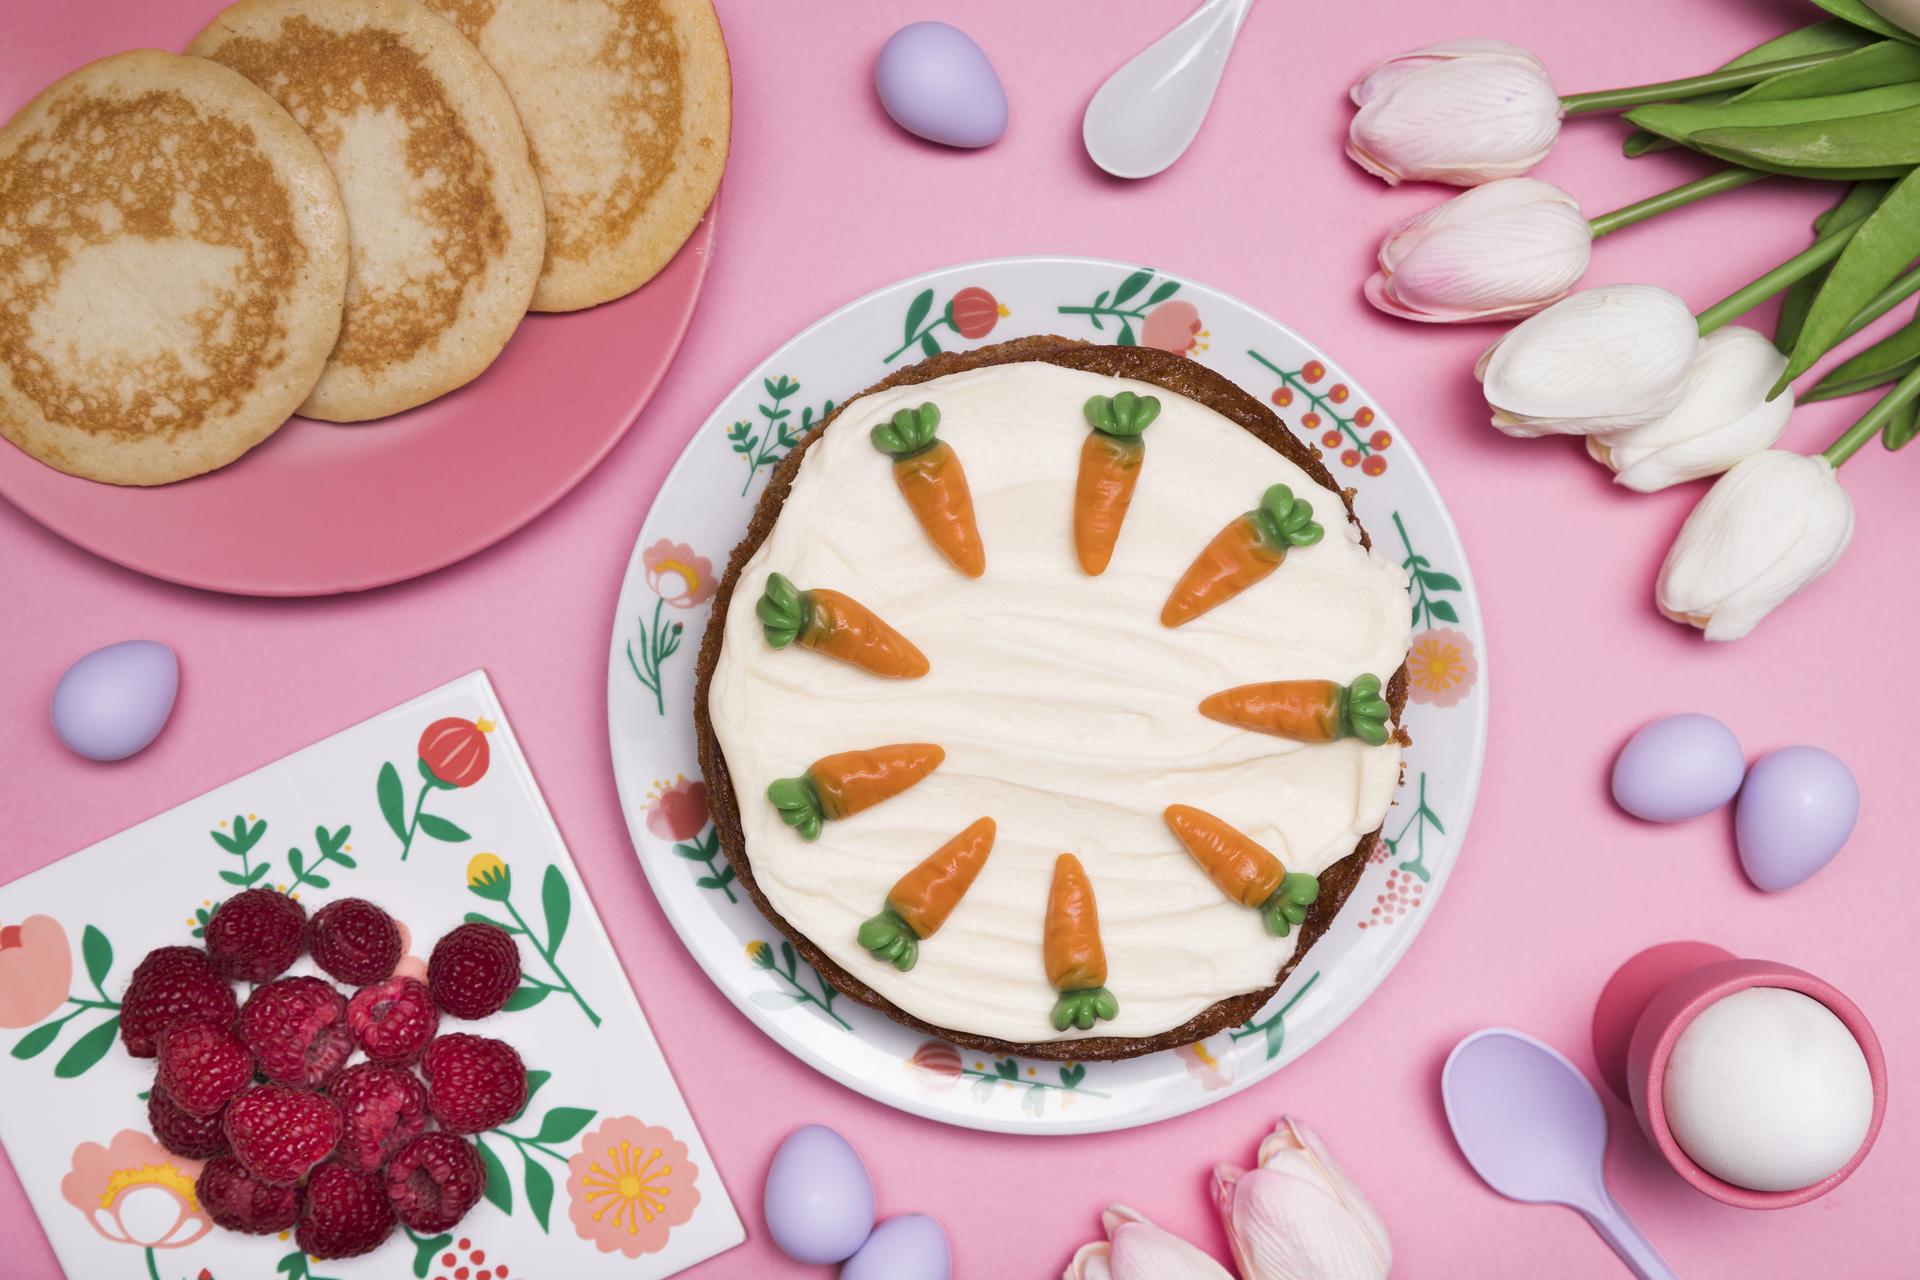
1850,442
1578,104
1686,193
1778,280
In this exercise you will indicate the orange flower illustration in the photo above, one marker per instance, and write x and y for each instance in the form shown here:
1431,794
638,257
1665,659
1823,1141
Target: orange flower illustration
1173,326
135,1192
630,1186
678,812
1441,667
677,575
36,964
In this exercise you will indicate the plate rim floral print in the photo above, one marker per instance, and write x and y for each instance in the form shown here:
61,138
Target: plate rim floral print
701,512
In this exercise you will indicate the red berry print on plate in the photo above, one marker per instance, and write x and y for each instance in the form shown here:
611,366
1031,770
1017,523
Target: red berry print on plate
238,1201
297,1030
280,1133
434,1181
974,312
169,984
255,935
1332,439
473,1083
1381,440
1338,393
394,1021
354,941
455,750
1351,458
1313,371
348,1213
1344,433
1374,465
473,970
1283,396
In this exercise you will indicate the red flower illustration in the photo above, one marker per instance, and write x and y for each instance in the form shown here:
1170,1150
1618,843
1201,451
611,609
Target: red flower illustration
135,1192
36,964
939,1062
455,750
1441,667
630,1186
975,312
1172,326
667,561
678,812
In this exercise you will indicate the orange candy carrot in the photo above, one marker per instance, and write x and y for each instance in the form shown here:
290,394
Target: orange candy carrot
920,902
1244,870
1109,468
1305,710
843,784
1247,550
1076,962
837,626
935,487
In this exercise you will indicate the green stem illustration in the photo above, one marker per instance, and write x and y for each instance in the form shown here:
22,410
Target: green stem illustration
413,825
547,953
762,955
661,641
1421,818
332,846
763,444
975,1073
1274,1027
922,336
703,850
1112,303
1426,582
1321,404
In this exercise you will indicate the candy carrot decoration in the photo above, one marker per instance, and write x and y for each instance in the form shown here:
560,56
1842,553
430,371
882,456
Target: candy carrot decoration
1076,962
934,485
843,784
837,626
1244,870
1109,468
920,902
1305,710
1247,550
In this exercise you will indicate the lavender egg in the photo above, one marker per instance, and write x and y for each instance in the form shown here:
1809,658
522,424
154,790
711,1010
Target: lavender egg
909,1247
819,1197
1796,810
1677,768
114,701
938,84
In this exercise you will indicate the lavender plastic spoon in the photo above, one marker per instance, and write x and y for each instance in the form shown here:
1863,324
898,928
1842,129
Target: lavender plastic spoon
1531,1125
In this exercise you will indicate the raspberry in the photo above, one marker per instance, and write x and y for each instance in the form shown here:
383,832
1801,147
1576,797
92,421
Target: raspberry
182,1132
238,1201
255,935
297,1029
279,1133
202,1065
384,1109
169,984
434,1181
473,970
348,1213
355,941
473,1083
394,1021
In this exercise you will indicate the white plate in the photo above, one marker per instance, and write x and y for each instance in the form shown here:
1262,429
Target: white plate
702,512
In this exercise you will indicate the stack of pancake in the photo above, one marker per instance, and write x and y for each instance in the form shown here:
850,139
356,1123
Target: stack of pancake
336,208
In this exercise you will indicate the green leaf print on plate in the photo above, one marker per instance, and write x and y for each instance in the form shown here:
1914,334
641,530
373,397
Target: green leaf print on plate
489,877
763,443
1111,304
31,1004
558,1126
787,969
245,835
1273,1027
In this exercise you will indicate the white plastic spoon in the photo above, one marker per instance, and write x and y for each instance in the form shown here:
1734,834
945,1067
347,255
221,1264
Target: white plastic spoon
1146,115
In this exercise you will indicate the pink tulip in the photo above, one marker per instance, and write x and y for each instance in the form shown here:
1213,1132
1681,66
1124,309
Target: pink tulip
1499,251
1463,112
1298,1216
1135,1249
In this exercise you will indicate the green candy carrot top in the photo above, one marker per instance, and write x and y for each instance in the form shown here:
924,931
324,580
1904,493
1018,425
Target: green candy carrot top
842,784
1306,710
1109,469
934,484
920,902
835,625
1252,546
1075,959
1243,869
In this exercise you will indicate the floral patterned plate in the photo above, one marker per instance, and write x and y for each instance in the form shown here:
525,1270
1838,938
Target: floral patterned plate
429,810
702,511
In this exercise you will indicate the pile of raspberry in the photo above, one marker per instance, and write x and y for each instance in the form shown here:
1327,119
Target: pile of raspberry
296,1134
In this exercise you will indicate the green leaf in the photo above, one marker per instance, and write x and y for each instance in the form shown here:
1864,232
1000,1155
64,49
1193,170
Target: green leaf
88,1049
1902,427
714,882
1166,290
557,901
319,881
1126,338
440,829
1276,1037
1436,581
499,1190
1857,13
1132,285
1442,610
294,1264
424,1250
1888,239
525,998
98,953
928,345
225,841
1836,390
916,312
1071,1076
393,803
35,1042
1681,121
344,859
692,852
432,779
1885,361
1884,144
1007,1069
474,917
562,1124
539,1189
534,1080
296,860
234,877
259,871
1883,63
1860,200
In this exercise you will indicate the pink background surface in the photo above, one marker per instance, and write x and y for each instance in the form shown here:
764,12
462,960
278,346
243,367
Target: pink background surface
824,201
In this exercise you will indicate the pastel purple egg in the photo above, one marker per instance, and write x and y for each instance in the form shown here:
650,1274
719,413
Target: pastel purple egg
1677,768
819,1197
1796,810
937,83
909,1247
114,701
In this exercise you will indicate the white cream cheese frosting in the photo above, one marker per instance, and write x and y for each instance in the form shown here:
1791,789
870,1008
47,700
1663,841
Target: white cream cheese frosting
1068,713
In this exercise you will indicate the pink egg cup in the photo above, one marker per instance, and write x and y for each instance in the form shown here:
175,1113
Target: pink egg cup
1675,1005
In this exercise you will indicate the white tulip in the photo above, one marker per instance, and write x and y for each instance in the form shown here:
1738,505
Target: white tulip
1463,112
1766,529
1723,416
1499,251
1135,1249
1298,1216
1602,360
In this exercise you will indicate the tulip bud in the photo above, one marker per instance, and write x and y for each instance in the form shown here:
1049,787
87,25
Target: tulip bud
1723,416
1462,112
1767,528
1298,1216
1499,251
1135,1249
1904,14
1602,360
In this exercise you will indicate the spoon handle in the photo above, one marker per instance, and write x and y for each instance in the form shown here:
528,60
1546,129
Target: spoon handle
1617,1229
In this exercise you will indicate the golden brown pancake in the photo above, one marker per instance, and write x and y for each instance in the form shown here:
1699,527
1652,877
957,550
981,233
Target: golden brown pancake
173,255
628,104
443,208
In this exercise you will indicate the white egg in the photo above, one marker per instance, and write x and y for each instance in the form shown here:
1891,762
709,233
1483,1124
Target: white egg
1768,1090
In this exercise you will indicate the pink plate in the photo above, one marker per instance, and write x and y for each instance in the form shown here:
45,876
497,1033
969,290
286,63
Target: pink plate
320,508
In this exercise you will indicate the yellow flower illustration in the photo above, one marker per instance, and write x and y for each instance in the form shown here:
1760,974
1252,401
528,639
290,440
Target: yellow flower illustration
484,869
630,1186
759,952
1441,667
